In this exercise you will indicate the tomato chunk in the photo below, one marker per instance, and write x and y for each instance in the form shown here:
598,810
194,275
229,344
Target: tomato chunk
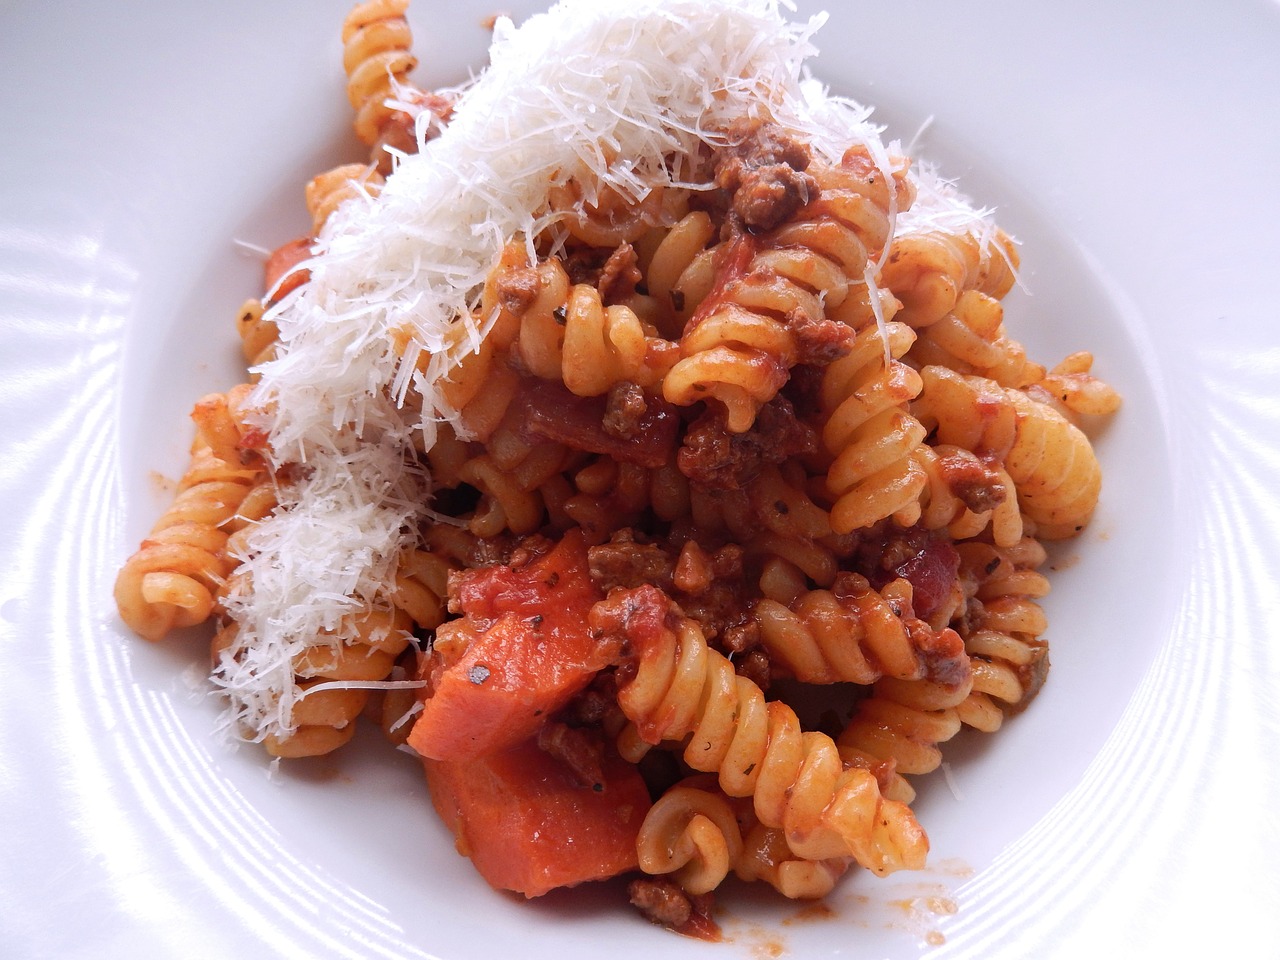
551,412
282,263
525,651
529,826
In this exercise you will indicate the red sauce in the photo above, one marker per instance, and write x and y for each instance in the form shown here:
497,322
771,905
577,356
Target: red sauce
931,571
732,264
550,412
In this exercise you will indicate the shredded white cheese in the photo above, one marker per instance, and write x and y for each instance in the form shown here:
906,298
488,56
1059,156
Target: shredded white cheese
939,205
616,93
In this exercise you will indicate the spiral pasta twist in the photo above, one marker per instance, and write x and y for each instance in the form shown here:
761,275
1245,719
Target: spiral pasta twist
599,215
222,425
603,346
972,339
540,343
602,496
796,780
782,504
421,587
327,191
258,335
813,561
929,271
331,678
857,198
1054,468
173,578
857,635
767,856
509,483
785,525
967,496
376,57
870,432
971,413
1050,461
697,835
690,833
1072,385
902,723
751,330
1003,633
681,271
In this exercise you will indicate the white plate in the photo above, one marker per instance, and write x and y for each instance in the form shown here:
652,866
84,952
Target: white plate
1131,810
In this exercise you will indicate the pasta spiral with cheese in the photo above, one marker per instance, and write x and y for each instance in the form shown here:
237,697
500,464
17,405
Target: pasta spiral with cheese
330,679
258,335
376,41
174,577
329,190
929,271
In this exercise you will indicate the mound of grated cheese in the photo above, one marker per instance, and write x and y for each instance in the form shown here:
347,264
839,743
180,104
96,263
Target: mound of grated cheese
611,92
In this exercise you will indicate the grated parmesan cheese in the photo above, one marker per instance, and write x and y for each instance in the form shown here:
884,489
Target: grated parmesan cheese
616,93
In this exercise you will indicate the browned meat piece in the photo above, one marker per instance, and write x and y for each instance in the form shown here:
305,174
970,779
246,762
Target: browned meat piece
974,482
715,457
624,411
665,903
755,667
619,275
582,751
518,288
764,172
625,563
819,340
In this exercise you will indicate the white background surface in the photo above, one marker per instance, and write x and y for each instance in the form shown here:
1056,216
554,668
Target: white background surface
1130,812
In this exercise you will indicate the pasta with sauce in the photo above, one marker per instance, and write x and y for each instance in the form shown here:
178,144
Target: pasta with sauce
714,415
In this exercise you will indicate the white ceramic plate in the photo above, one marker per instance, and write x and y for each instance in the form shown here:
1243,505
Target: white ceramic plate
1130,811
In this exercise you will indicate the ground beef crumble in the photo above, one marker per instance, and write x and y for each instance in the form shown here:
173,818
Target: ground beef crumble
666,904
581,750
719,602
763,170
819,341
624,411
715,457
517,288
620,275
974,482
